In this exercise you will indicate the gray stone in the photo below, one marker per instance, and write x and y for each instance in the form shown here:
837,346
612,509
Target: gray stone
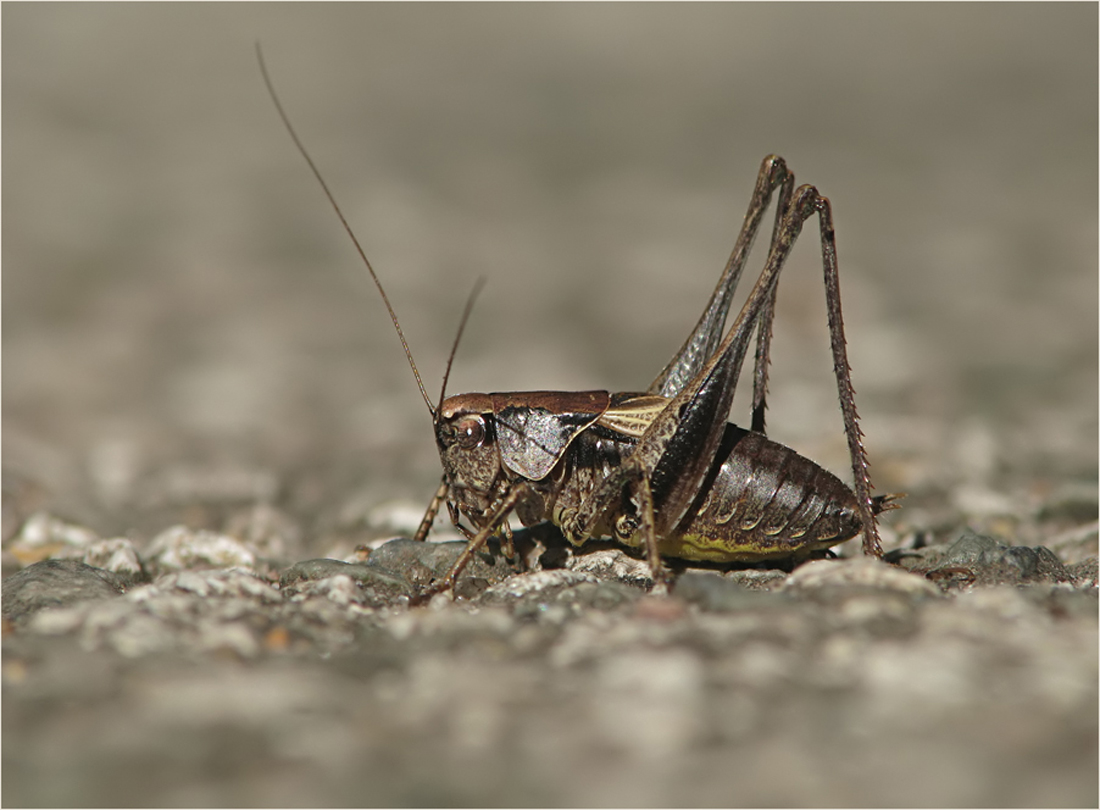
422,563
56,583
974,557
714,592
376,586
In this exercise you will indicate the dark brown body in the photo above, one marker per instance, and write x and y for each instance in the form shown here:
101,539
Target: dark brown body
759,499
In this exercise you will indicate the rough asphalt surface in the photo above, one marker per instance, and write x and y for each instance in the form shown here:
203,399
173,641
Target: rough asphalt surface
210,436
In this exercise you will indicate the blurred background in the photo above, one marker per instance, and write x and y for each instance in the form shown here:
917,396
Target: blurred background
185,326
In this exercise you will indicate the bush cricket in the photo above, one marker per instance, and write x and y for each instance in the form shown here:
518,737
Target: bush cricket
662,469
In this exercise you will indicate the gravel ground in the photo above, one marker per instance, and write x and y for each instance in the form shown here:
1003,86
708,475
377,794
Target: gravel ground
201,395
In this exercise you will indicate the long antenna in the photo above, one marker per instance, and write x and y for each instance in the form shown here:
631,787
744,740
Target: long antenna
478,285
351,233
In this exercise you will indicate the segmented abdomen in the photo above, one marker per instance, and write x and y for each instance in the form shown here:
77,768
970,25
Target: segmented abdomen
763,499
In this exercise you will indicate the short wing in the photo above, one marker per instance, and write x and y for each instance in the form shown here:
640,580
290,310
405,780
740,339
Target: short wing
631,414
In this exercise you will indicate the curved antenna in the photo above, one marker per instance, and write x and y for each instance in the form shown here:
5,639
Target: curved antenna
344,222
478,285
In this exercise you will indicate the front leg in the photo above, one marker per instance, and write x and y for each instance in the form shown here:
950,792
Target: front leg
499,516
438,499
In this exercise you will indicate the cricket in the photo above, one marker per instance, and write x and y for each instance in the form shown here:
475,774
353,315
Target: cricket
660,470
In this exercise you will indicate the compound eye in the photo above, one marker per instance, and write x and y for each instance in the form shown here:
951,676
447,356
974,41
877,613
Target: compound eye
469,432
